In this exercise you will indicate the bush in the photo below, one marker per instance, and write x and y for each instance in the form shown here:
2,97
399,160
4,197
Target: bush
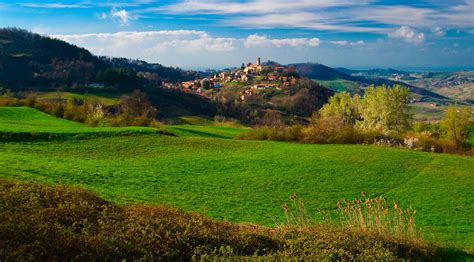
329,130
436,145
93,114
50,224
288,134
41,222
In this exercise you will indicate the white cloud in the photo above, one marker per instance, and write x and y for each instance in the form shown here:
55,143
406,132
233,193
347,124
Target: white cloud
408,35
394,15
438,31
328,15
306,20
148,44
184,47
122,15
346,43
343,42
262,41
254,6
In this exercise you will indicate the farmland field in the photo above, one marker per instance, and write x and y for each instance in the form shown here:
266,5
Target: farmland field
340,85
105,99
205,131
25,119
243,180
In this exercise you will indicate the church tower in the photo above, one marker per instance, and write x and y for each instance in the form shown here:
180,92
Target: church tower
258,61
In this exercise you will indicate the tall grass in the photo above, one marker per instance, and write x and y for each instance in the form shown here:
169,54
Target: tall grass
377,215
366,214
46,223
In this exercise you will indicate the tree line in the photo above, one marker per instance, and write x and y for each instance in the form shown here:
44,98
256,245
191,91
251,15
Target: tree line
134,109
381,116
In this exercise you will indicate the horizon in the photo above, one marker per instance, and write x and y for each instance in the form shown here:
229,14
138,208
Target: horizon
424,36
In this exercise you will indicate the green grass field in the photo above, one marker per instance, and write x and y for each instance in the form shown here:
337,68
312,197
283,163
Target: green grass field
29,120
248,180
340,85
205,131
105,99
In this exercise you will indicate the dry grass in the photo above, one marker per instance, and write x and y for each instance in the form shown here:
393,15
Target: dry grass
46,223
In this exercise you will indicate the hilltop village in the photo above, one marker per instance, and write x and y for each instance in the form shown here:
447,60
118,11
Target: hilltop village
251,77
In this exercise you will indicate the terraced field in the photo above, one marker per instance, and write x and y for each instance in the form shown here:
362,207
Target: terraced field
245,180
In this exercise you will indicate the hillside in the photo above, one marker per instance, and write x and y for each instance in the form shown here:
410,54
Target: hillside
458,86
377,72
30,61
26,124
248,180
341,80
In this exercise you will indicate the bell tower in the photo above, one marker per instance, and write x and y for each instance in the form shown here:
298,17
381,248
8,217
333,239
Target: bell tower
258,61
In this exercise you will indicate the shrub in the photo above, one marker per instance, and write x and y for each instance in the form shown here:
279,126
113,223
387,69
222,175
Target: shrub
93,114
456,124
44,223
41,222
329,130
289,134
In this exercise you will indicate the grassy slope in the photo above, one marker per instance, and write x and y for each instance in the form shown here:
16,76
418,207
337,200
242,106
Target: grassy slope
424,111
105,99
205,131
25,119
248,180
339,85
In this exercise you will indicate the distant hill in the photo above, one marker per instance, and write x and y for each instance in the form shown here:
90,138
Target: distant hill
458,86
377,72
320,72
327,74
31,61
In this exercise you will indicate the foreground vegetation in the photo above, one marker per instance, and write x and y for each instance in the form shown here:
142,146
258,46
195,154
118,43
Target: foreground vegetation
243,181
247,181
66,223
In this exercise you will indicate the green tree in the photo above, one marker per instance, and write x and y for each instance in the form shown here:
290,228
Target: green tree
342,107
385,108
456,124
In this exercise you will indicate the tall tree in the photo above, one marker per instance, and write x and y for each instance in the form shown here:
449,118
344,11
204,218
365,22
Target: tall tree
343,107
456,124
385,108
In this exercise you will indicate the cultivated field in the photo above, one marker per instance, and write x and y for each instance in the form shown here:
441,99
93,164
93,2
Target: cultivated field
241,180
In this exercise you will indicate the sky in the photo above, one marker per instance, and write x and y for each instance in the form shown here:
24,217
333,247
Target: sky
205,34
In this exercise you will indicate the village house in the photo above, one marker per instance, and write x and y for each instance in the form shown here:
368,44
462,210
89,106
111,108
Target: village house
253,68
263,86
272,77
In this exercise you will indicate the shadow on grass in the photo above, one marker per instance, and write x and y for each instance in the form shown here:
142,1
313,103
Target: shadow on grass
201,133
43,136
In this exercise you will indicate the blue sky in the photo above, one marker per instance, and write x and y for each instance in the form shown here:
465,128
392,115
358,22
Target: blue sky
203,34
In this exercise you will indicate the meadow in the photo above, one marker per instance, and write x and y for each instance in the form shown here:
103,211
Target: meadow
103,98
29,120
243,181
